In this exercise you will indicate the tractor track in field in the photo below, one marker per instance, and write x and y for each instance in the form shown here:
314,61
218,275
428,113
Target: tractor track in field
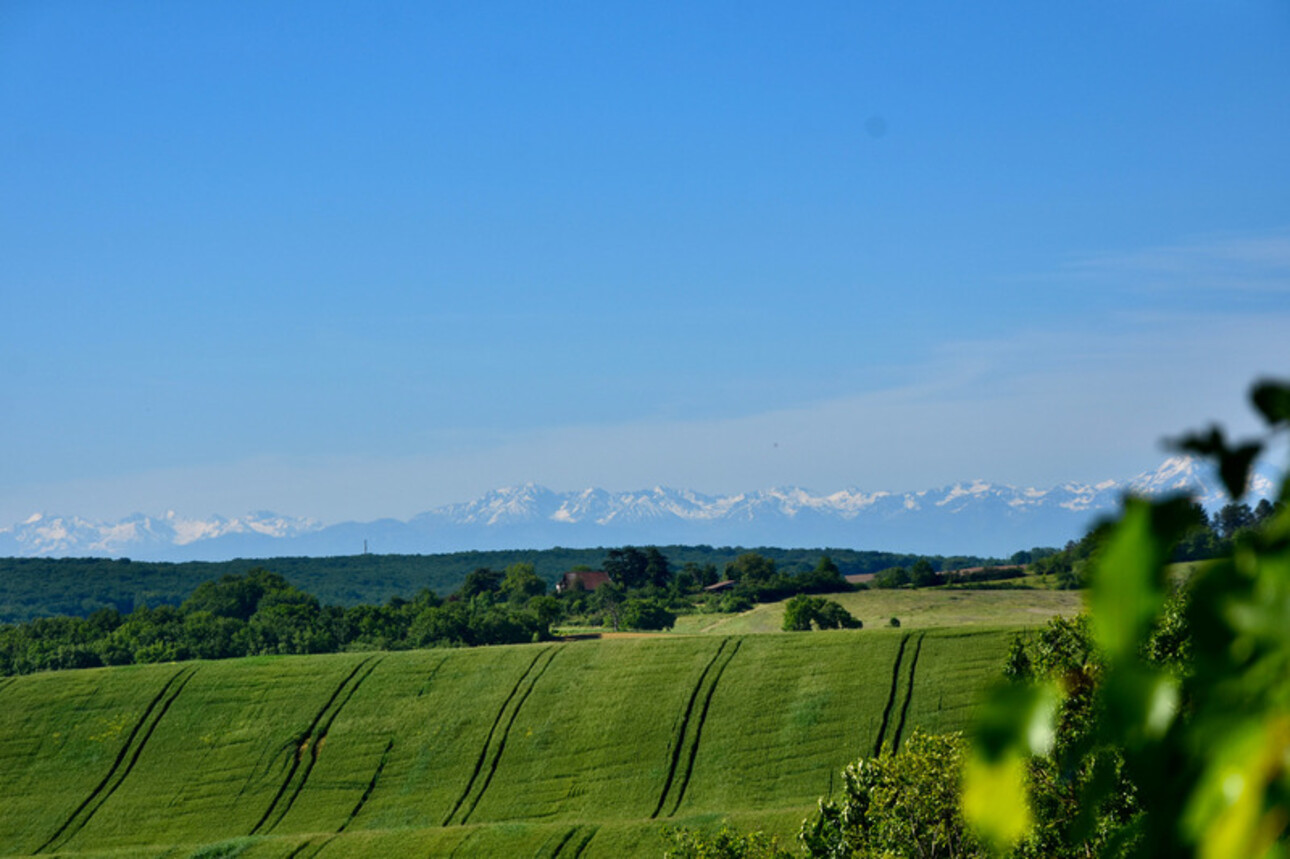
891,695
501,745
310,739
301,849
560,844
582,845
430,677
319,844
703,718
371,786
460,844
488,740
121,767
679,740
7,682
584,833
909,695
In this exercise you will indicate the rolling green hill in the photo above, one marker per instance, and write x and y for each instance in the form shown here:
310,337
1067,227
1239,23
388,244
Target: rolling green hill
561,749
916,609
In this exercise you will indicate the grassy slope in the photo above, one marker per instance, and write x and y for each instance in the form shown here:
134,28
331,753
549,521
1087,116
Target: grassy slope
536,750
916,609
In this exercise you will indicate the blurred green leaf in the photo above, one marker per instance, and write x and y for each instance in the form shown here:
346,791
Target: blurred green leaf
1272,399
1139,704
1128,588
1210,443
995,801
1017,718
1234,468
1233,811
1233,462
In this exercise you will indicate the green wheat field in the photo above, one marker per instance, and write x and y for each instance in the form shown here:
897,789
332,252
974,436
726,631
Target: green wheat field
566,749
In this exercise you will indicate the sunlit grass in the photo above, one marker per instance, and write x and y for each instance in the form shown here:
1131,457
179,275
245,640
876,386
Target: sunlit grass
516,748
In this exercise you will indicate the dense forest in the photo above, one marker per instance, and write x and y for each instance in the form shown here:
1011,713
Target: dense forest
77,587
261,612
1205,537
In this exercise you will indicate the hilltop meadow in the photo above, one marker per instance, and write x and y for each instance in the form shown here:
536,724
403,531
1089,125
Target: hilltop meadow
580,748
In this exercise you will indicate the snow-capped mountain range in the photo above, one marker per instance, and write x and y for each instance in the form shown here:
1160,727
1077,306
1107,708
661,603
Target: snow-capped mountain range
964,518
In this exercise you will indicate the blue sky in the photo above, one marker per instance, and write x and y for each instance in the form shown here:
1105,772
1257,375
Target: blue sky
357,260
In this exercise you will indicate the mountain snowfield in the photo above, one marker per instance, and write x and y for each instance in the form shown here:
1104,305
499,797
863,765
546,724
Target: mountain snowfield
966,518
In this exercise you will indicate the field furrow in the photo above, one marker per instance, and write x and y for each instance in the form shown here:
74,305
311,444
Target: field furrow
549,656
891,696
307,740
909,695
678,743
315,741
698,728
124,763
488,741
371,786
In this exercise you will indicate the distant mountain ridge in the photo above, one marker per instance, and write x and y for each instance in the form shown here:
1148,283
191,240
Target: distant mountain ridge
974,517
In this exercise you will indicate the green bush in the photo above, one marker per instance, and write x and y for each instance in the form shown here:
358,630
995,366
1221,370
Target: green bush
904,804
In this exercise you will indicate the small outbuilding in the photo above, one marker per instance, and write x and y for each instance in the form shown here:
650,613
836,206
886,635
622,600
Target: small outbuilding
587,580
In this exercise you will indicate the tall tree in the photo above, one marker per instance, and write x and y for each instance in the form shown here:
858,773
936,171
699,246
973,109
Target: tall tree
657,570
627,566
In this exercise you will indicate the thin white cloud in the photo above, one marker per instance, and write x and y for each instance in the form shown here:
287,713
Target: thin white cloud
1255,263
1038,408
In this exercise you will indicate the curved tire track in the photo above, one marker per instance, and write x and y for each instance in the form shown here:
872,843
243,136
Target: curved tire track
698,731
371,786
488,741
124,762
909,695
581,848
501,745
891,696
329,708
679,741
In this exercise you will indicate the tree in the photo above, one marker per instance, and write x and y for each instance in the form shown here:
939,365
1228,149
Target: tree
608,599
892,577
647,614
802,612
904,804
521,583
657,570
481,580
234,596
825,577
923,574
798,614
751,568
1233,517
628,567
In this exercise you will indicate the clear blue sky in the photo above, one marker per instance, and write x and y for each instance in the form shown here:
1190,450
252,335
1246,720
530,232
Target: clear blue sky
354,260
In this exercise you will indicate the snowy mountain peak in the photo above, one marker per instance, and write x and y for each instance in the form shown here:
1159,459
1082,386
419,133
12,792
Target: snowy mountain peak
973,516
1180,474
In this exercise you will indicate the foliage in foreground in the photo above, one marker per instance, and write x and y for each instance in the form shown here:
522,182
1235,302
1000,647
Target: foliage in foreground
1156,726
1205,743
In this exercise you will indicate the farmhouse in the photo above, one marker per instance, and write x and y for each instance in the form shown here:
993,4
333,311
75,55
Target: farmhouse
587,580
